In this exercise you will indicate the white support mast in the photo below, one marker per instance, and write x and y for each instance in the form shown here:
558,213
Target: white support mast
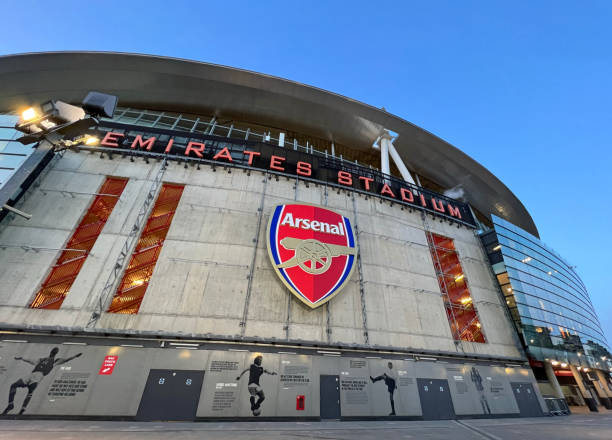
384,143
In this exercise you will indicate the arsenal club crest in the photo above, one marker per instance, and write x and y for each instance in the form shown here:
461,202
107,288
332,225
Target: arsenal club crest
312,250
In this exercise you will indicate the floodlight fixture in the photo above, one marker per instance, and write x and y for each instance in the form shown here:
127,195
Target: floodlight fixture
28,114
100,104
49,116
60,122
91,140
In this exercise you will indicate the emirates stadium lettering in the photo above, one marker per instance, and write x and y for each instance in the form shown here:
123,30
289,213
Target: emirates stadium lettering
263,156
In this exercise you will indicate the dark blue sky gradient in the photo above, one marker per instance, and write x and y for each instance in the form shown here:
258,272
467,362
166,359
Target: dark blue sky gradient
522,87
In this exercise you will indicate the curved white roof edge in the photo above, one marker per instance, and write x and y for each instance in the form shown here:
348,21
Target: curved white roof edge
172,84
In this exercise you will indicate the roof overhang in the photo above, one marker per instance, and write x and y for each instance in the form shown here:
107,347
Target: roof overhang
170,84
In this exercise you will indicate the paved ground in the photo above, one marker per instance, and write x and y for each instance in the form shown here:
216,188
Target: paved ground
575,427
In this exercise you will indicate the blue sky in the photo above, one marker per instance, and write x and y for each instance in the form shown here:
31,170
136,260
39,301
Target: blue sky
523,87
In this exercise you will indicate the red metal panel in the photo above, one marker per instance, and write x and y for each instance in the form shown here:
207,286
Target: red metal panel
57,284
133,286
462,315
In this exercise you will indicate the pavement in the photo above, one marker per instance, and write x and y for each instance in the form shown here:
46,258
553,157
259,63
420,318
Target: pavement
574,427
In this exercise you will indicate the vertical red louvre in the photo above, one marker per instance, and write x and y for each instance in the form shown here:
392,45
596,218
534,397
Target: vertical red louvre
460,309
133,286
55,288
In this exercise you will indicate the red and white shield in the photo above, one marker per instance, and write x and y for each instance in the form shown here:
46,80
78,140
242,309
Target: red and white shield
312,250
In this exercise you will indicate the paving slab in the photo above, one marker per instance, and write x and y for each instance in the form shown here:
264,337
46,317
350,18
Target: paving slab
560,428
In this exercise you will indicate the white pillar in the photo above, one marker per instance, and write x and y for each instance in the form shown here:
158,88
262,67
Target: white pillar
384,153
385,143
400,164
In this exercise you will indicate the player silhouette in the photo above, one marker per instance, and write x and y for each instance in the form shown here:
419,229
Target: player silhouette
477,379
42,367
391,381
255,372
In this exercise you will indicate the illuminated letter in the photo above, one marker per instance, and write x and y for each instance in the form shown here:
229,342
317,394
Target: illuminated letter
139,142
225,154
366,182
406,195
169,146
345,178
434,202
275,163
422,200
386,190
453,211
110,139
251,154
304,169
196,147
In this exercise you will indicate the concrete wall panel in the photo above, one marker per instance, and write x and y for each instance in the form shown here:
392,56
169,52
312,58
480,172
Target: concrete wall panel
201,282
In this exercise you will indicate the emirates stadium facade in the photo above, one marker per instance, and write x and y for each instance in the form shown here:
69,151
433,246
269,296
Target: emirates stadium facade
232,245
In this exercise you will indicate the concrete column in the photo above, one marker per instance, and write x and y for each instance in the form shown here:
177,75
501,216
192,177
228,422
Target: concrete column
603,396
591,403
552,379
604,382
602,389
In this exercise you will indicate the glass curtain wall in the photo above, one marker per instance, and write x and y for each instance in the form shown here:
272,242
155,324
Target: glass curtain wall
12,153
546,298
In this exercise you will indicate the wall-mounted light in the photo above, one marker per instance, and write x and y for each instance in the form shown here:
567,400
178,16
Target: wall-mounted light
59,117
28,114
91,140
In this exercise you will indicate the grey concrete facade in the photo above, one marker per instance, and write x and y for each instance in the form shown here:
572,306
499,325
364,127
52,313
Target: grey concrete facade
214,281
200,284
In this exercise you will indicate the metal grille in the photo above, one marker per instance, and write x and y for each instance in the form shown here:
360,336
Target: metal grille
55,288
460,309
133,285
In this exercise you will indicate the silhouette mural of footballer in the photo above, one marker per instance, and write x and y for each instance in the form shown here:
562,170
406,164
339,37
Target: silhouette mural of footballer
255,372
477,379
42,367
390,379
